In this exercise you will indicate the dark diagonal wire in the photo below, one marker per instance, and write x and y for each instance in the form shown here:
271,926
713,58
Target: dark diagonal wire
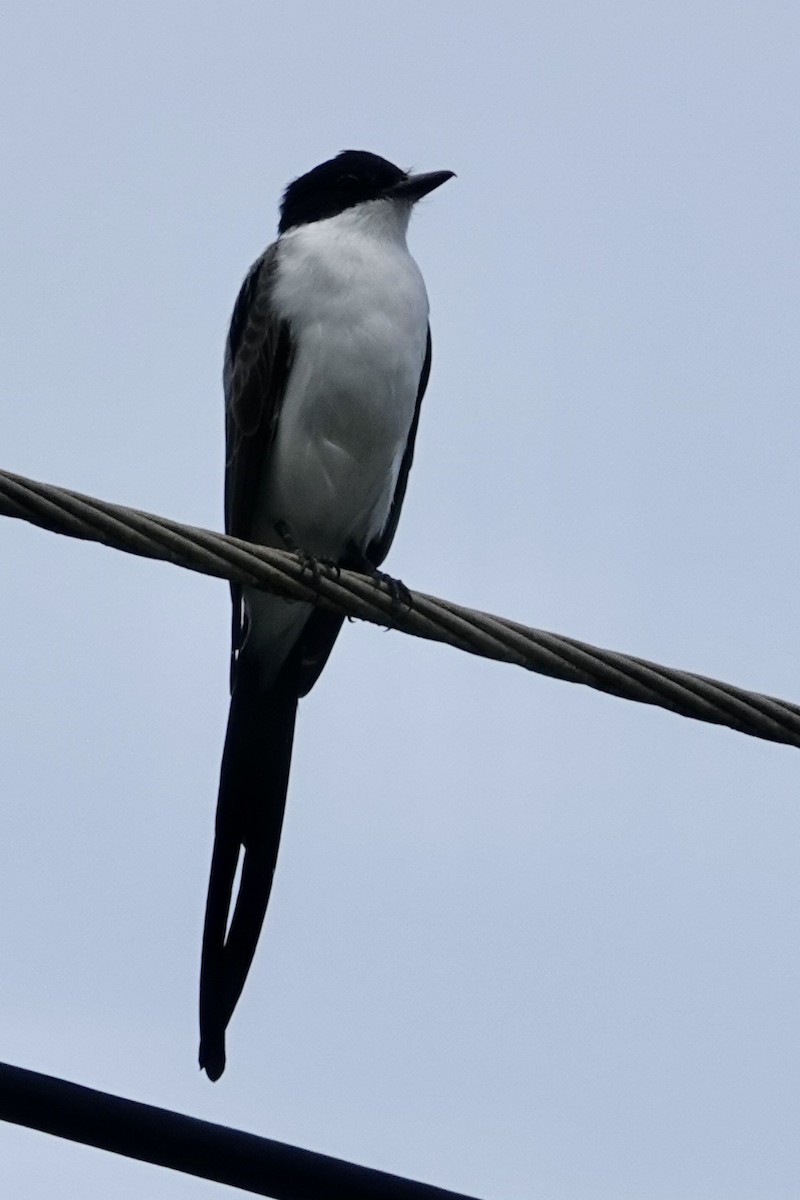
170,1139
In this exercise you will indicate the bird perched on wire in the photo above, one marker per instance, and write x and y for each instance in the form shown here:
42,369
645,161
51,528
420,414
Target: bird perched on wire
326,364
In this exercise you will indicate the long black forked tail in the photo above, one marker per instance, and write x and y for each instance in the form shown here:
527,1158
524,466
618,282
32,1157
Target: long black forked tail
252,798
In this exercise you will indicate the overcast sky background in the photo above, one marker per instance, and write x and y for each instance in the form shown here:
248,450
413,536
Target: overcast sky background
526,940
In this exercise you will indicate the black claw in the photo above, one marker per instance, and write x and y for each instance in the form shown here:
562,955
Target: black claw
309,563
355,559
399,594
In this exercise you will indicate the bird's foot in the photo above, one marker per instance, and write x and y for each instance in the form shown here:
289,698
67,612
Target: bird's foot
310,564
399,594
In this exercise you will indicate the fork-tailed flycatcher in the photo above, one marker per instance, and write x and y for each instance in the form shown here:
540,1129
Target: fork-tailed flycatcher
326,365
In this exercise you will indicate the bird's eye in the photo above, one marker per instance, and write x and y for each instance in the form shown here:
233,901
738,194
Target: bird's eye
348,181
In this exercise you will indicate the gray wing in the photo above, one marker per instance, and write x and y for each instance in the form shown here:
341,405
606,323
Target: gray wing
257,360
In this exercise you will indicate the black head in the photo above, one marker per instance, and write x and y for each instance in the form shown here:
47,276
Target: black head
351,178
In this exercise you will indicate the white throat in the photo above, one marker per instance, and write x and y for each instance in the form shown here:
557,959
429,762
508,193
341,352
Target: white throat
383,220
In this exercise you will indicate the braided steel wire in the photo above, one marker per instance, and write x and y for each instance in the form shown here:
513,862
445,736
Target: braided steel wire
286,574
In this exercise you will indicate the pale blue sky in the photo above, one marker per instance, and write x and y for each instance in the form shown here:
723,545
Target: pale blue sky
525,940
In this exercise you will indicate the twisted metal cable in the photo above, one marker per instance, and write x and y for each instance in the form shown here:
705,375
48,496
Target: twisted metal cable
285,574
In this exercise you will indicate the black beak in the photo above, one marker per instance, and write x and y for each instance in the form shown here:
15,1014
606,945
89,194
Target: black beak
414,187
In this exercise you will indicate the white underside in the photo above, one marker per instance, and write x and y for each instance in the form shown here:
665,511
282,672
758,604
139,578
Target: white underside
358,314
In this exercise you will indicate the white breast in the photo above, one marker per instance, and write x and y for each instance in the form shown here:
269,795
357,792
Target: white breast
358,313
